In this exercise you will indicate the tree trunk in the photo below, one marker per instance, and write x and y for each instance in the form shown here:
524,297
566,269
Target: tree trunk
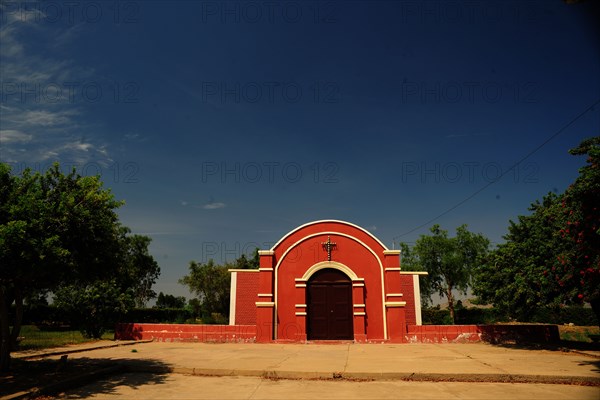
4,331
18,319
450,304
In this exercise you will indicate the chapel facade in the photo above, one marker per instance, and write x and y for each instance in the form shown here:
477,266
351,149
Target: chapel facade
327,280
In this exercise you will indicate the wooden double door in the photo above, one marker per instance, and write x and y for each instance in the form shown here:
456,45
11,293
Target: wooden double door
329,306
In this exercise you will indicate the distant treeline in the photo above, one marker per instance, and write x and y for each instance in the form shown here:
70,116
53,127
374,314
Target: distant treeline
53,316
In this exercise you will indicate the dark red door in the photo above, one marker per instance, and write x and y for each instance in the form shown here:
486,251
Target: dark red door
329,306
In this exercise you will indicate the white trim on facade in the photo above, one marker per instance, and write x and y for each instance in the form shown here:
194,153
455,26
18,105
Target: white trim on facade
233,297
265,304
395,303
417,292
381,268
330,264
392,252
242,270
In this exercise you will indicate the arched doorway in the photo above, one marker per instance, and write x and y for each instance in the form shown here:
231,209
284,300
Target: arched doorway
329,306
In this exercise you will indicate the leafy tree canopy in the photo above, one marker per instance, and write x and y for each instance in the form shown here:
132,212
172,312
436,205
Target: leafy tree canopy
61,230
448,261
551,256
170,301
211,282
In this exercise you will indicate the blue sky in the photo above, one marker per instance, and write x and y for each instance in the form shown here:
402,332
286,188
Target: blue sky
224,125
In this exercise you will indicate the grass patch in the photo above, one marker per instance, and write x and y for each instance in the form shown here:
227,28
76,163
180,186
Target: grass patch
35,338
578,333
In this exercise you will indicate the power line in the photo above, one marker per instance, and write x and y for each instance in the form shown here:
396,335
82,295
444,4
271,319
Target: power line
532,152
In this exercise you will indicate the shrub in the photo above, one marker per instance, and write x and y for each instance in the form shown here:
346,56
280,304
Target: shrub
576,314
435,316
485,316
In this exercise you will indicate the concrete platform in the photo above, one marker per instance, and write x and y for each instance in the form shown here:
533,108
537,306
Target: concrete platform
308,371
476,362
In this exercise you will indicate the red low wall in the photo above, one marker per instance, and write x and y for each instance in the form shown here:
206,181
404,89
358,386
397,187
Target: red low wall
443,333
482,333
189,333
415,333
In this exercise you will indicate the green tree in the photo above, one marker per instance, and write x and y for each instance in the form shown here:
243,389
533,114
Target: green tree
550,257
513,278
95,306
57,230
244,262
449,262
53,228
170,301
194,306
138,269
577,266
211,283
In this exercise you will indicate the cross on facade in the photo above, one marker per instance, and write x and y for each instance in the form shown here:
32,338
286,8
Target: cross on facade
328,245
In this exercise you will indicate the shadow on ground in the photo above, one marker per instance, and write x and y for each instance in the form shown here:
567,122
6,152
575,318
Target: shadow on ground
562,345
56,375
596,364
108,385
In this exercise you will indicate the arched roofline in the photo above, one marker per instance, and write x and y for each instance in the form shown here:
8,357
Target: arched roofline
290,233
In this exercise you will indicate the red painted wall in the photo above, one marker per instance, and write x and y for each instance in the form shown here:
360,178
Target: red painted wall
309,251
415,334
483,333
247,292
408,291
180,332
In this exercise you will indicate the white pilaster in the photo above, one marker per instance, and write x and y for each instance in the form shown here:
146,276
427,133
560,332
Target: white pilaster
232,297
417,291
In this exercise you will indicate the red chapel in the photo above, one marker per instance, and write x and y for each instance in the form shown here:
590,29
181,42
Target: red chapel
327,280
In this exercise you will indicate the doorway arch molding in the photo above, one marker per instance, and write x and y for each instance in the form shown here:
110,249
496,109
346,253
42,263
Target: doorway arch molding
333,265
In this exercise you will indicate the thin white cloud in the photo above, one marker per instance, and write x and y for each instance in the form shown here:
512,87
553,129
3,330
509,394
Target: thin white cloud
10,47
131,136
134,137
14,136
213,206
35,125
9,17
43,118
